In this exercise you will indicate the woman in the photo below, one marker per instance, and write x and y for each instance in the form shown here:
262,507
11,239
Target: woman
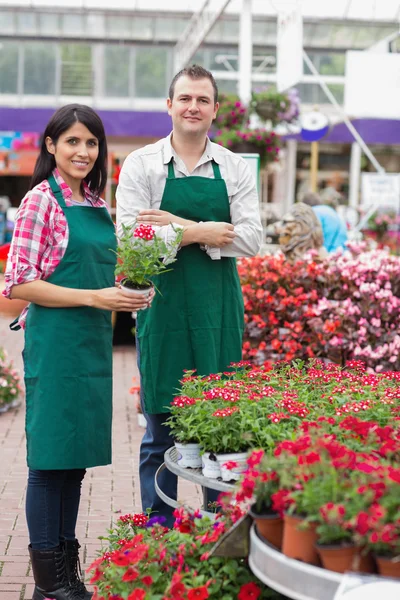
61,261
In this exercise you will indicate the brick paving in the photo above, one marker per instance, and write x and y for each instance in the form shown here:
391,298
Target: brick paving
107,491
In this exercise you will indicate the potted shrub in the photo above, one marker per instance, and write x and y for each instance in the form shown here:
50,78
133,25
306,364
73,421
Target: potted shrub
141,255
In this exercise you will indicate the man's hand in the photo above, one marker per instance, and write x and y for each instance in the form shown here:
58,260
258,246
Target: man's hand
214,234
159,218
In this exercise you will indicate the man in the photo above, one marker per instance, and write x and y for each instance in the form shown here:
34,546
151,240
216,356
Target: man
333,228
196,322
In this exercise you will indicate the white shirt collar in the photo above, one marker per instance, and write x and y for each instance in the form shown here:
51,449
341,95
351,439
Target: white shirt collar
208,154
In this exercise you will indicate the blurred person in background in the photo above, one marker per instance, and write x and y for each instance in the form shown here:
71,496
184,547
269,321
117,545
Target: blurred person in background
333,228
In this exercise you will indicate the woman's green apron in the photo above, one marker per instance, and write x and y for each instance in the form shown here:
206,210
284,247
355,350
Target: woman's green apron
197,321
68,353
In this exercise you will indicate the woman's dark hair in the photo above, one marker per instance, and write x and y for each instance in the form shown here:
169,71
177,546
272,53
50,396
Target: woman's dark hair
62,120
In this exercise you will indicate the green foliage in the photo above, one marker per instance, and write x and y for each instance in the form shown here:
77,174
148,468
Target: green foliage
140,259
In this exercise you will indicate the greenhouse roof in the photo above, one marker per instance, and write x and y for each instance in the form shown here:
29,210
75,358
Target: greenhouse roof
355,10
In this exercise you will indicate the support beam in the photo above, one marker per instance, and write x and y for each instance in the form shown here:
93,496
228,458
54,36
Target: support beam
245,52
197,30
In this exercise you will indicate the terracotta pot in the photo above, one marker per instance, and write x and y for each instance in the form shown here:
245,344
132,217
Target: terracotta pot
363,563
269,526
336,557
388,567
300,543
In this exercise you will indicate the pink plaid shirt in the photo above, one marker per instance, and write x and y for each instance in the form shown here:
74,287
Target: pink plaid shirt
40,236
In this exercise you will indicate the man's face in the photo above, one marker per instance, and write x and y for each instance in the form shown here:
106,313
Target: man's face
192,108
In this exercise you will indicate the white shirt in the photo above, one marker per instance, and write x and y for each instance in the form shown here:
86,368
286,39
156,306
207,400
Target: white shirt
142,182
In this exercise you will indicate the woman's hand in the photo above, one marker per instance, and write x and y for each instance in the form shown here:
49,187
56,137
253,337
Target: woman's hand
119,300
159,218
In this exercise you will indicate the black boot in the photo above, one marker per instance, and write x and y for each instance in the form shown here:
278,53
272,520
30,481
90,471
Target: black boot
74,570
50,575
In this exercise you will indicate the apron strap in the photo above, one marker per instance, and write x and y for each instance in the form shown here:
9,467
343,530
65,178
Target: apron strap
55,188
14,325
171,172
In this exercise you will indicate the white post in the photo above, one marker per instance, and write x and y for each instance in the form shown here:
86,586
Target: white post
291,154
354,180
245,52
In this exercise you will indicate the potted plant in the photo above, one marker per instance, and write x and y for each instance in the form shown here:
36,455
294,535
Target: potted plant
184,424
143,560
276,107
260,141
141,255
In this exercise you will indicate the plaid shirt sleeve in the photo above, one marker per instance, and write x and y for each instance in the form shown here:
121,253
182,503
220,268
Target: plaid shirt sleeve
39,240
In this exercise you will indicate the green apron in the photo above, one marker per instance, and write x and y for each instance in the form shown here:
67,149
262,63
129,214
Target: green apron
68,353
197,321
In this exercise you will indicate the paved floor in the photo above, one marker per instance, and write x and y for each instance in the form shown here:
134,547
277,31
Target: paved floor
107,491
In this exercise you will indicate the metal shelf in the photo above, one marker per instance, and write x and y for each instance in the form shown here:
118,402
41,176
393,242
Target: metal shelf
194,475
290,577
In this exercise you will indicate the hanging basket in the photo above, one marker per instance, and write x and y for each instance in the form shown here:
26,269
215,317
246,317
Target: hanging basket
266,110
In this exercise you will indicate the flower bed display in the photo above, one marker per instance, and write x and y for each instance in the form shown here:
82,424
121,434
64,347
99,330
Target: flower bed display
10,387
346,306
146,561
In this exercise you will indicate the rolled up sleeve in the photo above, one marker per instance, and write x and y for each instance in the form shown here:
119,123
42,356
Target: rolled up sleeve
28,244
245,217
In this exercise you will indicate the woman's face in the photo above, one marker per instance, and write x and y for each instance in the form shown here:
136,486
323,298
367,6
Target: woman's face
75,153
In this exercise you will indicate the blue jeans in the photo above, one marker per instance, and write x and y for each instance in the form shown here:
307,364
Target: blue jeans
52,504
156,441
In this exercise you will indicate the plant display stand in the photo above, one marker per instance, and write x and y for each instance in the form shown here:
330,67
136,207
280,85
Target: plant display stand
193,475
290,577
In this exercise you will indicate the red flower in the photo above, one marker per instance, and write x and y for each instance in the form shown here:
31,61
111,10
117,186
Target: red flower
249,591
200,593
130,575
137,594
147,580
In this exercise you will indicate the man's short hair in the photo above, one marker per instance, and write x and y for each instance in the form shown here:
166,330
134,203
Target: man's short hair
194,72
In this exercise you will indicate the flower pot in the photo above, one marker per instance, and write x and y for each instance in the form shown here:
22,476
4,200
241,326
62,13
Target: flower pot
141,419
188,455
235,473
299,543
245,148
130,289
387,566
210,465
337,557
269,525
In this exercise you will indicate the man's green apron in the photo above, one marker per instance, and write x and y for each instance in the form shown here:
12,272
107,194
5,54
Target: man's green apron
68,353
197,321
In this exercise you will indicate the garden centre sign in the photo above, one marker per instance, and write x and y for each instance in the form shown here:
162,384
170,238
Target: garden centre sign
289,46
380,190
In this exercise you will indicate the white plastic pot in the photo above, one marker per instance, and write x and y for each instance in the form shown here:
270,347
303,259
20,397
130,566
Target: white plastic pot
188,455
210,466
129,290
234,474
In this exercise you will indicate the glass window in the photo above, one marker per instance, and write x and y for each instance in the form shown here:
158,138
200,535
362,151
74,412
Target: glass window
49,24
227,86
264,60
168,29
76,73
95,25
230,30
39,68
332,64
143,28
264,32
26,22
119,27
8,68
151,72
72,25
116,66
312,93
221,57
200,58
8,22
